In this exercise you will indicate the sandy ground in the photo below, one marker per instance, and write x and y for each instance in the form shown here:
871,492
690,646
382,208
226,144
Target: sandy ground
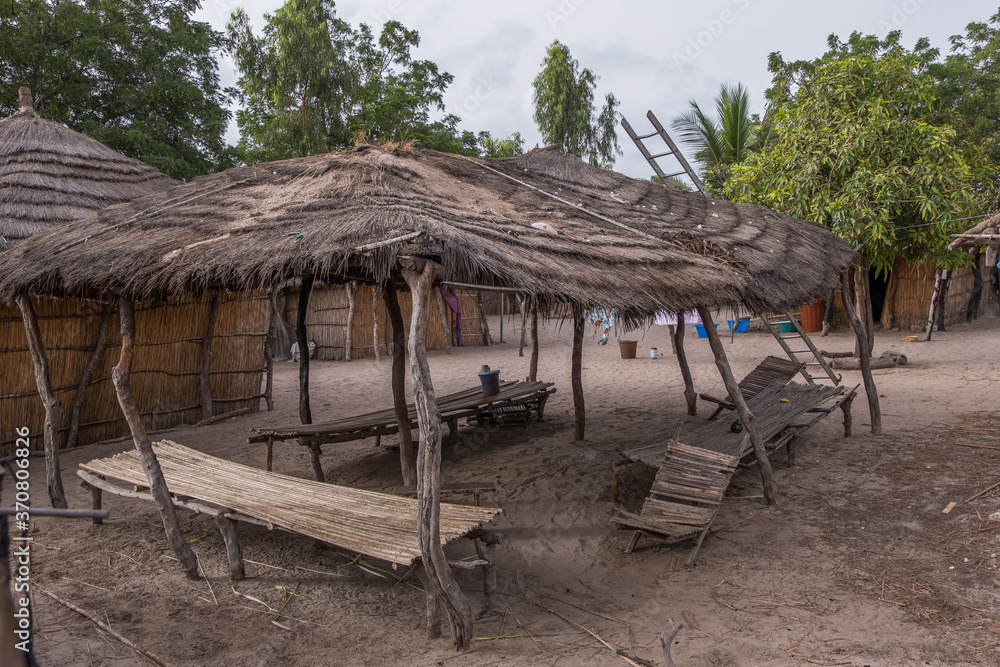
855,565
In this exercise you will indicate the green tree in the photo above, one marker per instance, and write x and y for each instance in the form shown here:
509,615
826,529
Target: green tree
140,76
505,147
724,141
563,96
857,145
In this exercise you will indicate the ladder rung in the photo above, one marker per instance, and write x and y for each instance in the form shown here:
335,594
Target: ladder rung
647,136
792,336
820,377
677,173
800,351
813,363
653,157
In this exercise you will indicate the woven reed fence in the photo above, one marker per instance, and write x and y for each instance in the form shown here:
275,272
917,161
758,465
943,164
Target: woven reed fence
165,371
327,321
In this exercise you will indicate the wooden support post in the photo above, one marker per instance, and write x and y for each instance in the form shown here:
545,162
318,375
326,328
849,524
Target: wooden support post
375,341
736,396
305,413
154,475
972,310
315,450
580,416
690,395
51,404
672,331
487,338
349,342
227,528
419,275
444,321
503,312
485,542
845,407
524,322
533,364
88,373
828,313
433,604
272,324
407,462
942,310
863,301
865,361
206,357
932,314
269,446
97,501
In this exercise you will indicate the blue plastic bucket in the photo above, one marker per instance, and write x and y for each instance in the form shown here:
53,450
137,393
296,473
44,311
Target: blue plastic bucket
490,382
700,328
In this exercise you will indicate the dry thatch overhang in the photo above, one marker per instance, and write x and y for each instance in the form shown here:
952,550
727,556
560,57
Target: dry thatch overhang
50,175
617,241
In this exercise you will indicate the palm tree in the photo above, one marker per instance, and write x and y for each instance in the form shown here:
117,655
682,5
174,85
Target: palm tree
725,142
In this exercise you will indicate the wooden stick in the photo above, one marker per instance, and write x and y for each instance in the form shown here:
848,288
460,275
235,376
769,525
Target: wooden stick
864,356
943,300
150,464
444,322
88,373
419,275
375,300
579,410
690,395
533,364
932,313
305,413
407,462
982,493
272,323
107,628
524,322
667,641
736,396
350,321
206,357
52,405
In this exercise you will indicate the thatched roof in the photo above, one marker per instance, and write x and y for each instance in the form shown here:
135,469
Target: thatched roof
50,175
986,233
617,241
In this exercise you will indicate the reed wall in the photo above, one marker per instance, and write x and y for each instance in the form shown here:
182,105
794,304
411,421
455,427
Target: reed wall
327,321
165,369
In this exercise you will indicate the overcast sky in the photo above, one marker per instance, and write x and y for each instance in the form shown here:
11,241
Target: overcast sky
651,55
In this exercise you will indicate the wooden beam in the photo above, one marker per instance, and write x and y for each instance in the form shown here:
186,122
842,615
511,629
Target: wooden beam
51,404
690,395
579,411
407,462
436,567
736,396
206,356
533,365
865,357
305,413
88,373
154,475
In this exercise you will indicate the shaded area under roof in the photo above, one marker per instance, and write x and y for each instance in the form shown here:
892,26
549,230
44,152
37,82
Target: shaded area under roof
545,222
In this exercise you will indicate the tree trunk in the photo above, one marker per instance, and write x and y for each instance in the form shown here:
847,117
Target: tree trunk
305,413
690,395
828,314
395,316
206,357
736,396
864,357
580,413
533,365
421,282
51,404
88,373
154,475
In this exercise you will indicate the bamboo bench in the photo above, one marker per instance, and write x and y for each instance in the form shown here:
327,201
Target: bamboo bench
528,397
374,524
772,369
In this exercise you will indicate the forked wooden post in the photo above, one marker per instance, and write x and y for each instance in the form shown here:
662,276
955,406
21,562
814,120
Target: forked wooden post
52,405
227,528
206,357
349,342
690,395
580,415
533,365
864,358
88,373
154,475
407,462
305,413
419,275
935,300
749,421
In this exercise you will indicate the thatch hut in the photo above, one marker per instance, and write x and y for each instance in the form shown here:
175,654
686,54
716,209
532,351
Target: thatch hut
543,225
50,176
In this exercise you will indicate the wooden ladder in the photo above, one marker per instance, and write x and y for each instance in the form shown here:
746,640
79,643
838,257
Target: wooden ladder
811,356
672,150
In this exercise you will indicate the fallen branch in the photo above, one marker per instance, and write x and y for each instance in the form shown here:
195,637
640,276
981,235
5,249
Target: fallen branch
984,491
667,641
104,626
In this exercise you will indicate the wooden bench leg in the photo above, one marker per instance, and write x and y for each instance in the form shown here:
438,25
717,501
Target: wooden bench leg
486,552
227,528
715,414
95,495
269,445
541,407
846,407
632,542
453,430
790,450
314,448
433,605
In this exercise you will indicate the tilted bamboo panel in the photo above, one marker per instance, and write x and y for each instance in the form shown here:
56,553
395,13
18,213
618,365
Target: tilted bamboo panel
367,522
326,321
165,370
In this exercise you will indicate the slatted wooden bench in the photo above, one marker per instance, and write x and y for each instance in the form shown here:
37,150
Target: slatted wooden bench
772,369
375,524
529,397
